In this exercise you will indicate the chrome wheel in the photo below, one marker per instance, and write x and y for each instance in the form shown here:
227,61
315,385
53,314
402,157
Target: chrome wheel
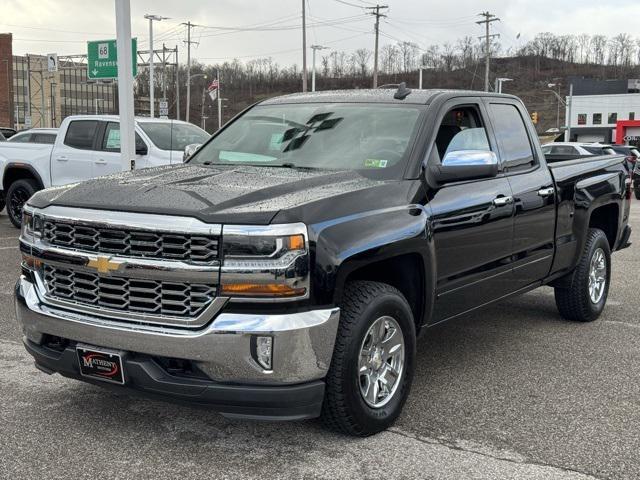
597,275
381,362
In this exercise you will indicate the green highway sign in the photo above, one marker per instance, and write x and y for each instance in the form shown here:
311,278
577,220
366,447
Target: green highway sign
102,59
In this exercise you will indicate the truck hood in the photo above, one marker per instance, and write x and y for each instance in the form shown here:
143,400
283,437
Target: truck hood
228,194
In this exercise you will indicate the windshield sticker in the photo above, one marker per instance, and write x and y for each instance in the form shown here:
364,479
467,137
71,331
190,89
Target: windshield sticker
113,140
375,163
276,142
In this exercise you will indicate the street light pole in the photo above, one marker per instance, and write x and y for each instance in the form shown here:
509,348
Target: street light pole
151,18
313,71
499,81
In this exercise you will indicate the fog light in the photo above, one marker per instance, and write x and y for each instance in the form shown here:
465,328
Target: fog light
262,351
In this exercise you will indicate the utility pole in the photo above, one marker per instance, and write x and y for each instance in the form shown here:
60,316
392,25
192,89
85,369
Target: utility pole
177,86
376,12
189,42
304,48
488,19
567,135
313,71
151,18
164,72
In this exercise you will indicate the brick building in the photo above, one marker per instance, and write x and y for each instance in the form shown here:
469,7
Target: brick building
6,80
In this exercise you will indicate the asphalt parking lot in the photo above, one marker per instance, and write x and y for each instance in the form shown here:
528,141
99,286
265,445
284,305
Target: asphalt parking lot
510,392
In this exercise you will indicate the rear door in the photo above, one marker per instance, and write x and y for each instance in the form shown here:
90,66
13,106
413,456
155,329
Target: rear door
472,221
533,191
72,156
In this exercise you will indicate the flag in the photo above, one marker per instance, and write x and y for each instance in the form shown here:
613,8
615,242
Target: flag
213,89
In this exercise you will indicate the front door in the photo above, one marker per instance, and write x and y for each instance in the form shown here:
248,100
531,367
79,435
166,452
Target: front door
472,222
107,159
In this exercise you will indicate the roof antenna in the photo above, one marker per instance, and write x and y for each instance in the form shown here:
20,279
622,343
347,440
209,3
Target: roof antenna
402,92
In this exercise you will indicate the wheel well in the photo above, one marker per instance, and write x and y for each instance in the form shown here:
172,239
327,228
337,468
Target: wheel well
606,219
19,173
404,272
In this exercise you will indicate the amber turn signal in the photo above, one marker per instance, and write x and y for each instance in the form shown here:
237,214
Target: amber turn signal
257,289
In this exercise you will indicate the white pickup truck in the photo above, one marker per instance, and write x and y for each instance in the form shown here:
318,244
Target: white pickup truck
87,146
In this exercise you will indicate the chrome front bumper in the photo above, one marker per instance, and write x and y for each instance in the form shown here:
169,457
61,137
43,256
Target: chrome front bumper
302,342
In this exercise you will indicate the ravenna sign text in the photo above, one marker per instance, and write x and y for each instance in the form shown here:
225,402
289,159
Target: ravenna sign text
102,59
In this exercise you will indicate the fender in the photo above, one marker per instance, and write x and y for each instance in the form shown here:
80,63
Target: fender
20,166
346,244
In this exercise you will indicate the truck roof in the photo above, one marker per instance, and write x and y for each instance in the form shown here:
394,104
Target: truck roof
116,118
377,95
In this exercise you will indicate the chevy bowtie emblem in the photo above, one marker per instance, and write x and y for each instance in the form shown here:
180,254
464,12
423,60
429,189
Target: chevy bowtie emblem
103,264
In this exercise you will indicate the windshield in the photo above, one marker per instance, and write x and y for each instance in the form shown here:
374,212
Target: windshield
313,135
173,136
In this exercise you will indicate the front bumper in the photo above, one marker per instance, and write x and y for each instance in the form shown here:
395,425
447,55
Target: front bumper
235,384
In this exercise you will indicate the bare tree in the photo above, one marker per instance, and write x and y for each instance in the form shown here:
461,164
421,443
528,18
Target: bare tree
362,57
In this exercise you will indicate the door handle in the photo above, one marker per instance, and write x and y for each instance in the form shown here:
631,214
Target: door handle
100,162
546,192
62,159
502,201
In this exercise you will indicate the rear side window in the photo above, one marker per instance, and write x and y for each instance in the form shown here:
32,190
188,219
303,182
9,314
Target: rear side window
564,150
81,133
43,138
111,139
513,139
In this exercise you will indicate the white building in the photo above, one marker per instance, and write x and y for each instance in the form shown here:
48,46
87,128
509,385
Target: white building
594,117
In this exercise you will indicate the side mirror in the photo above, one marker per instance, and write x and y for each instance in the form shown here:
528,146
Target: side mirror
189,150
141,149
465,165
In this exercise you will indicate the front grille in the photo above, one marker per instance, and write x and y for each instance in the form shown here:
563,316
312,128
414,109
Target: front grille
132,243
128,294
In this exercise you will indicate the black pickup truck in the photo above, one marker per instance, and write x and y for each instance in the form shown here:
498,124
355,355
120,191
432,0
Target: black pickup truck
286,270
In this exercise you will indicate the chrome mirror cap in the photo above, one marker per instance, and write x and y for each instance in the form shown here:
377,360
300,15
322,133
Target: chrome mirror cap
467,158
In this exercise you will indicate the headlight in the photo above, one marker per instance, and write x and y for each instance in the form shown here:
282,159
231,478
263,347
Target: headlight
32,225
269,263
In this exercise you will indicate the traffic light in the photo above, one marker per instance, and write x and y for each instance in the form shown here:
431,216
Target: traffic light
534,117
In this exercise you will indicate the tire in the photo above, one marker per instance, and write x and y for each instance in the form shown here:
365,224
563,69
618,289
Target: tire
17,195
577,302
637,191
345,408
2,202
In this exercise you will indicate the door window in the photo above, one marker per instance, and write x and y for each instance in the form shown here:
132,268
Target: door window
461,129
81,133
512,137
564,150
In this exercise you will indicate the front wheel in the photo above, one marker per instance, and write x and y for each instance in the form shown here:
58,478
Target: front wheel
373,360
17,195
587,293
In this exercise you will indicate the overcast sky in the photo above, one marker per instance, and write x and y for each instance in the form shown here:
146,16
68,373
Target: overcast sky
63,26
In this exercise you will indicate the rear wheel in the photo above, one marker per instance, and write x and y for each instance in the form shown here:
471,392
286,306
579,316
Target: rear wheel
587,293
17,195
373,360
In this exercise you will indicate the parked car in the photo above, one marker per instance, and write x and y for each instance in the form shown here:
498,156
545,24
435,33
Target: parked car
87,146
36,135
561,151
7,132
636,180
287,269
